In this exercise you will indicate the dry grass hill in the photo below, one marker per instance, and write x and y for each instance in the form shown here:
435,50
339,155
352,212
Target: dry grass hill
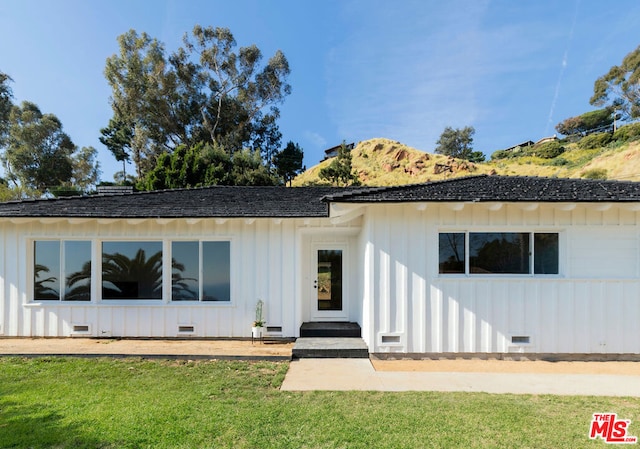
381,162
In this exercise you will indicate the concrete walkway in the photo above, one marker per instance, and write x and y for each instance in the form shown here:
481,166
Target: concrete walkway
359,374
351,374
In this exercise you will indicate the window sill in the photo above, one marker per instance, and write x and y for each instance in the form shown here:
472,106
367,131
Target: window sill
132,303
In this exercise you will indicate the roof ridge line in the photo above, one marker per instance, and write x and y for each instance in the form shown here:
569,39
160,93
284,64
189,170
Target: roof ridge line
378,189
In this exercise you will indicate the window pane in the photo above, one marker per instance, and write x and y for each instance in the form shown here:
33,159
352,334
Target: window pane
499,252
216,271
77,270
451,252
545,252
185,267
131,270
46,270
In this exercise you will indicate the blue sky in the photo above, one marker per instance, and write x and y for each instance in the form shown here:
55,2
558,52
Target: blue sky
360,69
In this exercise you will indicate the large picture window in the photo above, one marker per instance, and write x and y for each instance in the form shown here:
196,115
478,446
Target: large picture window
131,270
62,270
498,253
200,271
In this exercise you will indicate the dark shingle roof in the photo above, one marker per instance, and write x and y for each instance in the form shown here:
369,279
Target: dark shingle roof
499,188
281,202
217,201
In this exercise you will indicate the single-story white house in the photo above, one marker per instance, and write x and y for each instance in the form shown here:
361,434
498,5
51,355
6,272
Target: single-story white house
482,264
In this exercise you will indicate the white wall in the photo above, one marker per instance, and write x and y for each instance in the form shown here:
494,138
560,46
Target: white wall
593,306
265,264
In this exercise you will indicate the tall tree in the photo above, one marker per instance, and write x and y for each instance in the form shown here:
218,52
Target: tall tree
339,171
6,96
86,168
117,138
592,121
620,86
456,143
288,162
203,92
38,153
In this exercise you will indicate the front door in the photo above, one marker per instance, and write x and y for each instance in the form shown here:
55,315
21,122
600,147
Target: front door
329,282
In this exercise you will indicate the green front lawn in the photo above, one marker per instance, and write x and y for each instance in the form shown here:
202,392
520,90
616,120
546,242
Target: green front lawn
133,403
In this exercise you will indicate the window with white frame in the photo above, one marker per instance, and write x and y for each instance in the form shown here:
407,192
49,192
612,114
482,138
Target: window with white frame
131,270
498,253
62,270
200,271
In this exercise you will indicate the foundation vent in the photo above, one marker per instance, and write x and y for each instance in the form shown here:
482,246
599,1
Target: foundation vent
81,329
274,329
391,339
187,329
520,339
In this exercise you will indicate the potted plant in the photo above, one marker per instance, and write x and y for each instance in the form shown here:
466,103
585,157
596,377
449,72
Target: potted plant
258,324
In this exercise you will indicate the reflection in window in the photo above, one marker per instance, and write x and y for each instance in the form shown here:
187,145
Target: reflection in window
452,254
131,270
46,270
201,270
545,249
55,260
216,271
499,252
185,278
77,269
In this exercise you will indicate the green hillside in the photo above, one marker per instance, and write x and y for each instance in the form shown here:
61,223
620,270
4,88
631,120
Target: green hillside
380,162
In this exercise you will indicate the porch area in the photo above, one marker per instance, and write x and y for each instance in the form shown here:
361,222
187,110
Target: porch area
332,339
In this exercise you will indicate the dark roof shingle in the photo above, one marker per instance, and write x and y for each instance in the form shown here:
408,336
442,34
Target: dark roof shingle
217,201
499,188
281,202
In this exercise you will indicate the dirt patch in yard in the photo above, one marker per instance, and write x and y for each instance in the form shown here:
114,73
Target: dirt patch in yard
114,346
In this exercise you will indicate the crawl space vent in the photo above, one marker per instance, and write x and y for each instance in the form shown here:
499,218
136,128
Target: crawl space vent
521,339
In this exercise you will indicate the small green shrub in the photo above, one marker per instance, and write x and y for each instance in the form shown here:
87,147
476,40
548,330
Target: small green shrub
596,140
500,154
595,173
507,154
558,162
547,150
627,133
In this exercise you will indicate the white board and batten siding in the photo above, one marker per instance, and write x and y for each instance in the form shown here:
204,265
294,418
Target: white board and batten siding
592,306
265,264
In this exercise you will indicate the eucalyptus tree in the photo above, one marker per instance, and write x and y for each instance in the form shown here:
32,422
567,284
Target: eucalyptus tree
205,91
38,153
6,96
620,87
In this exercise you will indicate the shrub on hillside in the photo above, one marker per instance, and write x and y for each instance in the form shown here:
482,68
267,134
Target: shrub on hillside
592,141
627,133
547,150
508,154
499,154
558,162
595,173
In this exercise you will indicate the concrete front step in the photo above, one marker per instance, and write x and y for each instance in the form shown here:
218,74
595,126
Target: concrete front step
330,347
330,329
